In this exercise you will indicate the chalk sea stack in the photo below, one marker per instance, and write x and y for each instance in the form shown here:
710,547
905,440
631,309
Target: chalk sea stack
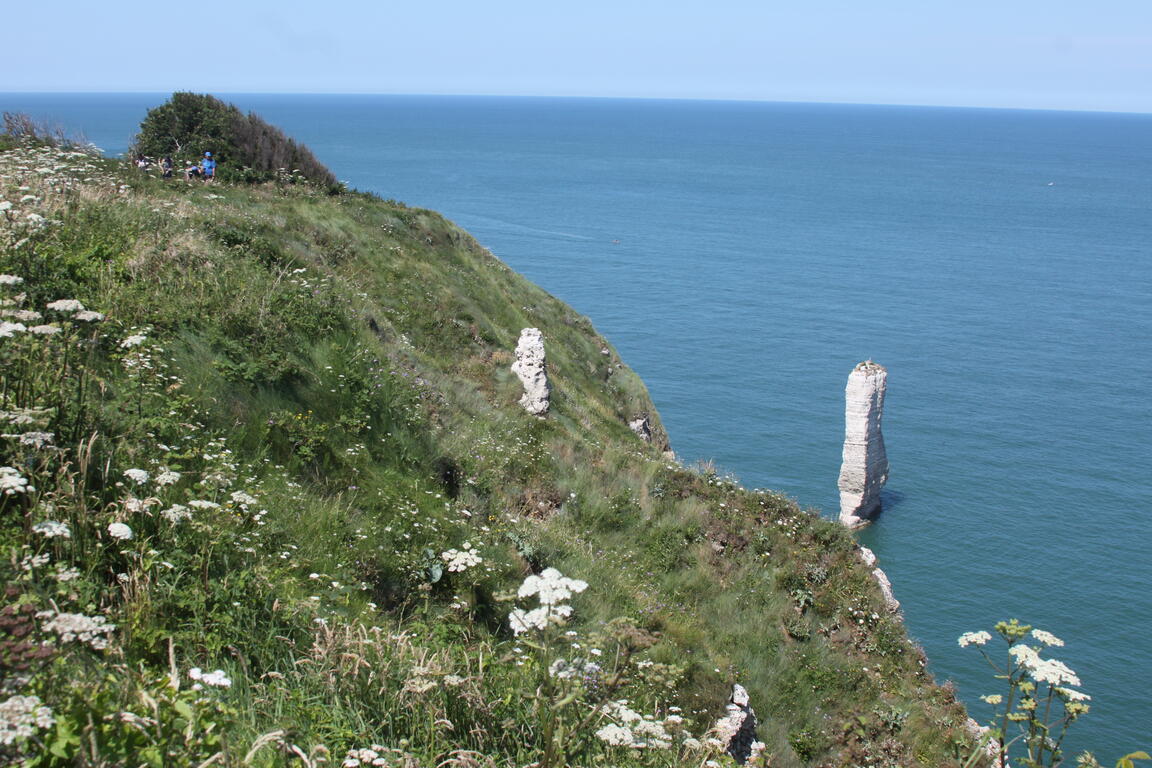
529,366
865,465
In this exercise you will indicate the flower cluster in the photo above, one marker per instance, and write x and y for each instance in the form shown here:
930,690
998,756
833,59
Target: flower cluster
119,531
631,729
52,529
974,638
367,756
21,716
216,679
461,560
12,482
551,588
91,630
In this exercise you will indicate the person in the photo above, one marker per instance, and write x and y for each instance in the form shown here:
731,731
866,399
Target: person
191,172
209,166
166,166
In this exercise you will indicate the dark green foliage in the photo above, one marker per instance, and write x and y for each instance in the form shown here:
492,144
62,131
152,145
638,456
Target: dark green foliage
245,146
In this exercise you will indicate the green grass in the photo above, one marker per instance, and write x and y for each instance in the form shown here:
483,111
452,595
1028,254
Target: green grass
345,361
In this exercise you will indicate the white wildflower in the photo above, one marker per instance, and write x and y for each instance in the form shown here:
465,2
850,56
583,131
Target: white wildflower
243,499
65,574
1072,694
119,531
551,587
974,638
91,630
203,504
992,699
65,305
134,340
10,279
88,316
1047,638
22,315
175,513
44,330
51,529
167,477
138,476
215,679
33,439
21,716
1053,672
1025,655
615,735
12,482
460,560
8,330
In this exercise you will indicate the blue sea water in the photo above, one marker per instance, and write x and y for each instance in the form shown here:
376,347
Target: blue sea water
744,256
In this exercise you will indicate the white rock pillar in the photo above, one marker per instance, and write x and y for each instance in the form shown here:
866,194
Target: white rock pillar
865,467
529,366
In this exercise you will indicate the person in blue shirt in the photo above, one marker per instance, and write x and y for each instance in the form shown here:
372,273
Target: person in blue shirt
208,166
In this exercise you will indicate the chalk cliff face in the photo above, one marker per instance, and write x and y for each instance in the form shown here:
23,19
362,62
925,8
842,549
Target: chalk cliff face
890,601
529,366
737,728
865,467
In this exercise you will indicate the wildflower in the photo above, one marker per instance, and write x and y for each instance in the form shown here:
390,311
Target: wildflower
551,587
992,699
1072,694
615,735
88,316
134,340
21,716
51,529
44,330
66,574
176,513
10,279
138,476
974,638
1025,656
33,439
65,305
215,679
459,561
1047,638
12,482
202,504
1053,672
167,477
119,531
8,330
91,630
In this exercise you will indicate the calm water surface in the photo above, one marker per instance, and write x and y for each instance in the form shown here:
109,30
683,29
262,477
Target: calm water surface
743,257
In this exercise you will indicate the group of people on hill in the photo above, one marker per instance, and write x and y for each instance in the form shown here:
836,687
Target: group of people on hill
204,169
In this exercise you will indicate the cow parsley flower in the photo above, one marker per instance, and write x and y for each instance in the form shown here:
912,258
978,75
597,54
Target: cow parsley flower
175,513
134,340
12,482
11,279
65,305
88,316
33,439
615,735
21,717
167,477
203,504
215,679
119,531
8,330
1047,638
974,638
51,529
551,587
138,476
91,630
44,330
461,560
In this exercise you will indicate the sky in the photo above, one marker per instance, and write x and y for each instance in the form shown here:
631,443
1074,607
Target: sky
1056,54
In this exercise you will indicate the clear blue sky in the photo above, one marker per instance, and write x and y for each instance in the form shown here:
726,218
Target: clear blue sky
1001,53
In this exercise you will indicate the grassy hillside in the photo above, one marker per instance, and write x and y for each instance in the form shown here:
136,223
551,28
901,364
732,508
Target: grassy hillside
299,407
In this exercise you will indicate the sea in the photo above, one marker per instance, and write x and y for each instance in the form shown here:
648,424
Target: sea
744,256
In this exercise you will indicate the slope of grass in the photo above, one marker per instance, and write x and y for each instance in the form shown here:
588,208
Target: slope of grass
323,384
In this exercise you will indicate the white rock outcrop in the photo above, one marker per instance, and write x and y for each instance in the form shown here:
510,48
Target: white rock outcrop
737,728
642,427
865,466
530,367
890,601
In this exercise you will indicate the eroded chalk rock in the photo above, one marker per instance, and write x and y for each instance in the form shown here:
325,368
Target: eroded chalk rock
737,728
890,601
642,427
865,464
530,367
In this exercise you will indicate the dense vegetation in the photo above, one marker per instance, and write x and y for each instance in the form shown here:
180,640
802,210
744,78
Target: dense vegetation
268,497
246,147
